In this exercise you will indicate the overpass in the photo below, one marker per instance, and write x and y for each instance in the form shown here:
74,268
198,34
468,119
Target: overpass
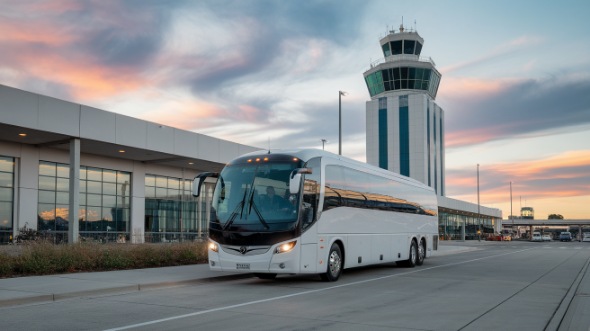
579,223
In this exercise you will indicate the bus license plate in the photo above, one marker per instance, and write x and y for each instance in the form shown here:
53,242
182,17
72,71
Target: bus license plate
243,266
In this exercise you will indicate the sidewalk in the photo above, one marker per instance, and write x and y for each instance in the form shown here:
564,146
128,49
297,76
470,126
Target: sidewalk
35,289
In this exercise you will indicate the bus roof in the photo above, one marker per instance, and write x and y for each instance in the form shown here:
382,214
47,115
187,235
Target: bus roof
307,154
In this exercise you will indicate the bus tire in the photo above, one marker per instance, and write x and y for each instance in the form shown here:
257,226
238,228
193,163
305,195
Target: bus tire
411,261
265,276
334,265
421,253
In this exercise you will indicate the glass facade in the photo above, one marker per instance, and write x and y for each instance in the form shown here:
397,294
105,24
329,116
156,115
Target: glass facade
404,136
171,211
403,78
6,198
104,202
450,225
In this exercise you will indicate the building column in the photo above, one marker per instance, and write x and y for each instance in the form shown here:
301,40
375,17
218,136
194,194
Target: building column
74,197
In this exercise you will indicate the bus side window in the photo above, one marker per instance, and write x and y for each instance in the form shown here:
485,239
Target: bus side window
311,193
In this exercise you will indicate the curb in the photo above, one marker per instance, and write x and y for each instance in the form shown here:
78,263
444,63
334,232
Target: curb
44,298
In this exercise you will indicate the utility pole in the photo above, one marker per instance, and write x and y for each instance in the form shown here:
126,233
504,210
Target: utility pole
478,212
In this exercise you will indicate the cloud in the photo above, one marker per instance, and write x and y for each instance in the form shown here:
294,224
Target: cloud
493,110
563,175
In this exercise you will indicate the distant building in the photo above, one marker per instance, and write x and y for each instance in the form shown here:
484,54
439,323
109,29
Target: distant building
527,213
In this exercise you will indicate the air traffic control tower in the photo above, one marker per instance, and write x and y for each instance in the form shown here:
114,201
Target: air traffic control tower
405,126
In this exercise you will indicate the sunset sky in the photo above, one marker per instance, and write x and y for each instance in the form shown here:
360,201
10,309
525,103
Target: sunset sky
515,82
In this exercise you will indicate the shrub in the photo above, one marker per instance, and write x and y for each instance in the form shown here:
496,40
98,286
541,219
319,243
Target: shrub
41,258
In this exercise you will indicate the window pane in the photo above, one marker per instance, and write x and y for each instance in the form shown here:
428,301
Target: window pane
6,179
109,201
161,193
150,180
174,194
5,215
174,183
396,47
409,46
46,211
93,199
93,215
47,169
47,197
93,187
82,198
5,194
94,174
161,181
107,215
62,198
123,177
6,164
83,186
109,176
83,172
124,189
63,184
150,192
123,202
109,188
63,170
47,183
61,216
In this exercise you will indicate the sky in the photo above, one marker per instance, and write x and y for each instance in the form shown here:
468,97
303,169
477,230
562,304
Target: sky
515,84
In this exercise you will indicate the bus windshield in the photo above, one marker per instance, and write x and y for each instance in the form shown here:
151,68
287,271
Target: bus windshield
254,197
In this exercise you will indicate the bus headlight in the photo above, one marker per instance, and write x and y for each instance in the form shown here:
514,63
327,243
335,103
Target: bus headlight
286,247
213,246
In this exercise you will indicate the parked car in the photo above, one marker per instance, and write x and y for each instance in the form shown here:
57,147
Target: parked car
546,237
586,236
565,236
537,236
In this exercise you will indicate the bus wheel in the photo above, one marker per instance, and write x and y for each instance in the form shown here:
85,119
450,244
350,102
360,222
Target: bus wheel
334,264
266,276
421,253
411,262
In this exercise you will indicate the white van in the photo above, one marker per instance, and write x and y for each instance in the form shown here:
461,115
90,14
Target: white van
537,236
586,236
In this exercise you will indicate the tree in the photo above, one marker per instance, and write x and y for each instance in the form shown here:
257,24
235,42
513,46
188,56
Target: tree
555,217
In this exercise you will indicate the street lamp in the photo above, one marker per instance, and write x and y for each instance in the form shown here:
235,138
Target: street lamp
324,141
340,94
478,213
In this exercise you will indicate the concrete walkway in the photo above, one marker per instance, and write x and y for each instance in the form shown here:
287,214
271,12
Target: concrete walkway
38,289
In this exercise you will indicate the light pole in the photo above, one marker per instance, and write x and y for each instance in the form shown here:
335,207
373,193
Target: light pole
511,214
340,94
478,213
324,141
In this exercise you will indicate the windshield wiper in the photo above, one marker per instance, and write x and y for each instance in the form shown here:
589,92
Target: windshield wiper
260,218
234,213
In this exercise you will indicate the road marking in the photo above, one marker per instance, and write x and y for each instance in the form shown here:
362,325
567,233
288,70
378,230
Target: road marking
202,312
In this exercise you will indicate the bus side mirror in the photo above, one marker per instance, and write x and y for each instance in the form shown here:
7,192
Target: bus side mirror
200,179
295,179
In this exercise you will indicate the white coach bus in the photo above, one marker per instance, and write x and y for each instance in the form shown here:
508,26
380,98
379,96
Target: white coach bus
314,212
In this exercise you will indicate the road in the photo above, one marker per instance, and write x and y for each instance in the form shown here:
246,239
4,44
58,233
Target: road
494,286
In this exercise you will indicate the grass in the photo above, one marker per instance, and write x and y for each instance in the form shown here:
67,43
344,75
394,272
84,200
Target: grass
45,258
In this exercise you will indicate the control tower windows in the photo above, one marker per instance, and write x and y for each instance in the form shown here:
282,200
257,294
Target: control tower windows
396,47
403,78
418,48
409,46
386,50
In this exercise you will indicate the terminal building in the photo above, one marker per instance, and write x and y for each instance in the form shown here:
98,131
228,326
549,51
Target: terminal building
405,129
135,176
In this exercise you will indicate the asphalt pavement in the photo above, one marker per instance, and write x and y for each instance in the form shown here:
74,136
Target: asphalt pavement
43,289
